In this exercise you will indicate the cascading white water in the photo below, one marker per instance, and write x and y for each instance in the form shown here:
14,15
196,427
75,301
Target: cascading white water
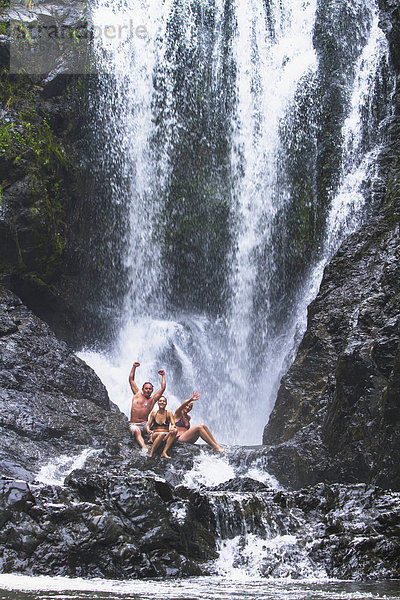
271,61
273,51
124,109
358,166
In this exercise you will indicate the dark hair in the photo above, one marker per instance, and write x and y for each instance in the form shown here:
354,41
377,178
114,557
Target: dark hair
148,383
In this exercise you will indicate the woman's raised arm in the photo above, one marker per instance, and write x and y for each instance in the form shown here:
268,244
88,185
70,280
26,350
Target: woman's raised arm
178,413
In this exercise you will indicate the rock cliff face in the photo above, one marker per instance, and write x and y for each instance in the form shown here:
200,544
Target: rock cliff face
337,414
43,182
52,402
338,409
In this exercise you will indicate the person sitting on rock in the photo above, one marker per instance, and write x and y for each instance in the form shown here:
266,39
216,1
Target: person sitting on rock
161,428
143,402
190,435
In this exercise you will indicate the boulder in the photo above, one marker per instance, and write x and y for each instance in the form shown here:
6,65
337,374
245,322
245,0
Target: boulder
53,404
102,526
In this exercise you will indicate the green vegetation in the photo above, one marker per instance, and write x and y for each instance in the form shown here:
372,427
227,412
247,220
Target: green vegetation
34,137
35,155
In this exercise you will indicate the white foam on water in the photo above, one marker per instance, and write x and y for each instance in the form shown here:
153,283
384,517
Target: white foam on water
209,471
231,586
250,555
56,470
260,474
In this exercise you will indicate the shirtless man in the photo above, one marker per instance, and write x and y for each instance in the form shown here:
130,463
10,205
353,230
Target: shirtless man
143,402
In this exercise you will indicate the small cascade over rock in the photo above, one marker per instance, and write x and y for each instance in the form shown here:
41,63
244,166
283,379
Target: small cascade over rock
124,522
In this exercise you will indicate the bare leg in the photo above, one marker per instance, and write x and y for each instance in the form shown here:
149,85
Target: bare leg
169,440
212,439
157,439
140,440
192,435
208,438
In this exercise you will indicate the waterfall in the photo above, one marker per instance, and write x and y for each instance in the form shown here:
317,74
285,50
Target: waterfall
208,138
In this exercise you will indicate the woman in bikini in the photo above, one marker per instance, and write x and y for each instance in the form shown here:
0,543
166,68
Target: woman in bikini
190,435
161,428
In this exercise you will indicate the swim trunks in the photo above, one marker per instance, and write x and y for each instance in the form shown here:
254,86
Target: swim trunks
141,427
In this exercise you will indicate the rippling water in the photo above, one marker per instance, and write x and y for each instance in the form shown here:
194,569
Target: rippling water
15,587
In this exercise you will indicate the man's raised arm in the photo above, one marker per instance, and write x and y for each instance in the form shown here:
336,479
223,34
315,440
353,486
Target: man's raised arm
133,384
157,395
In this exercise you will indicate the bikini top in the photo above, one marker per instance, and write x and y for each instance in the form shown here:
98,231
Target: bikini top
182,423
155,424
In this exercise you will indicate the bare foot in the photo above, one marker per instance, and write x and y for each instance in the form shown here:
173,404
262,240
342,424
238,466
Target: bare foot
219,449
163,455
145,450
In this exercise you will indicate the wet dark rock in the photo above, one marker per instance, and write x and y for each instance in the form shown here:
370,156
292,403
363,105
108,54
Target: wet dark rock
240,484
339,531
101,525
356,524
115,518
127,515
137,525
56,82
336,416
390,23
41,172
52,402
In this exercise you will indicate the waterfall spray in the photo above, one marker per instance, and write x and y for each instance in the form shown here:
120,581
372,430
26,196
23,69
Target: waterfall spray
222,241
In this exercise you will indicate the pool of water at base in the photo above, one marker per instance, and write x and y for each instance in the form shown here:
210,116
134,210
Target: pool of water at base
21,587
